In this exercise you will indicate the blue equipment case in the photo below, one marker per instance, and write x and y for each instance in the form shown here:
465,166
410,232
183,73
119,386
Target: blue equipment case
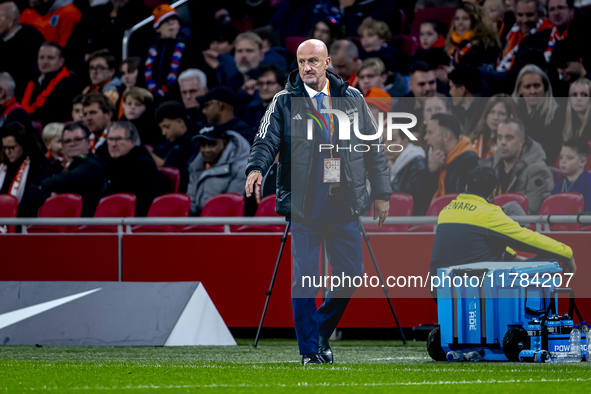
483,317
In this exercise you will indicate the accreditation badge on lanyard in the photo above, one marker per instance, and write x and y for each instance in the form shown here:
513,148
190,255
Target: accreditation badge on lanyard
332,170
332,166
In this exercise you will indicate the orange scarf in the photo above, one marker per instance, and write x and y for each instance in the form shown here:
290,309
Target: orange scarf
457,51
40,100
514,38
464,145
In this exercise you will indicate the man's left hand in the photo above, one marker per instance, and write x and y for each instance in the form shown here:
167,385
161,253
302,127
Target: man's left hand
381,209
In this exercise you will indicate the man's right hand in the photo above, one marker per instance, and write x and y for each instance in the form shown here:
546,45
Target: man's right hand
253,177
436,160
570,266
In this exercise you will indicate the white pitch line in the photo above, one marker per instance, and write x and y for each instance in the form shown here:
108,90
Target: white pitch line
305,384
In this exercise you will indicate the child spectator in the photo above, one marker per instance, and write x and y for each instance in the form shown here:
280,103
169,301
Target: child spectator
129,70
52,138
168,57
101,70
432,34
375,36
138,108
78,109
573,158
471,39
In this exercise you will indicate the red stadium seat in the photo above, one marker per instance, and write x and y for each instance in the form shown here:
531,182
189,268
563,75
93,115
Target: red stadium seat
121,205
173,175
585,228
265,208
227,204
408,44
8,209
67,205
564,204
557,174
292,43
435,207
508,197
401,204
38,126
168,206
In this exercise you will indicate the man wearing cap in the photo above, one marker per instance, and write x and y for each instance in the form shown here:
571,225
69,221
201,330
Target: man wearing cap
219,166
322,191
218,107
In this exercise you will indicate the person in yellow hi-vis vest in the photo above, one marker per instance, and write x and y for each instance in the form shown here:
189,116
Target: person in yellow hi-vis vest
472,229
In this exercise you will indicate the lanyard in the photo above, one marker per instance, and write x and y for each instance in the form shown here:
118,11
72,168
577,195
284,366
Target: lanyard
331,117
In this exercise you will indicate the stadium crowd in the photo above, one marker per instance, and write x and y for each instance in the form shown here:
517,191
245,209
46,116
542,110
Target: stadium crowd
494,83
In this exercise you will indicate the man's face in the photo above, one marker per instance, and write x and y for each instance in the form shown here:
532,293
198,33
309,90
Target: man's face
129,78
78,113
434,135
423,84
247,55
368,79
457,92
74,143
99,71
509,141
532,88
190,90
49,60
312,64
12,149
95,119
268,86
6,22
118,143
571,72
571,162
559,14
526,16
169,28
212,111
579,97
212,150
172,128
343,66
133,109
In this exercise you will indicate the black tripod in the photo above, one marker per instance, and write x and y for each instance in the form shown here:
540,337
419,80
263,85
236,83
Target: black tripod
375,263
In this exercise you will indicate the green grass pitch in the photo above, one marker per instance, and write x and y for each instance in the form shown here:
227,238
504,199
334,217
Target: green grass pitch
360,366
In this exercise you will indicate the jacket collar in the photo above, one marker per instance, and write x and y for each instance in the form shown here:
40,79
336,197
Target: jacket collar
295,85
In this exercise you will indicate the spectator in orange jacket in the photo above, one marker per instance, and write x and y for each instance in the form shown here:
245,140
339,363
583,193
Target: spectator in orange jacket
55,19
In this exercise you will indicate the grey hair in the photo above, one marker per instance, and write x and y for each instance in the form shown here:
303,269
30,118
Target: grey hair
515,121
540,8
130,129
194,73
549,105
12,11
7,83
349,47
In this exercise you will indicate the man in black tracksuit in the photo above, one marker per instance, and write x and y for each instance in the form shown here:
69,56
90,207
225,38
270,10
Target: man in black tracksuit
322,191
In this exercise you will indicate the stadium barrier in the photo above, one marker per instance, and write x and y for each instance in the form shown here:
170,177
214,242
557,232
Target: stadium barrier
236,268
